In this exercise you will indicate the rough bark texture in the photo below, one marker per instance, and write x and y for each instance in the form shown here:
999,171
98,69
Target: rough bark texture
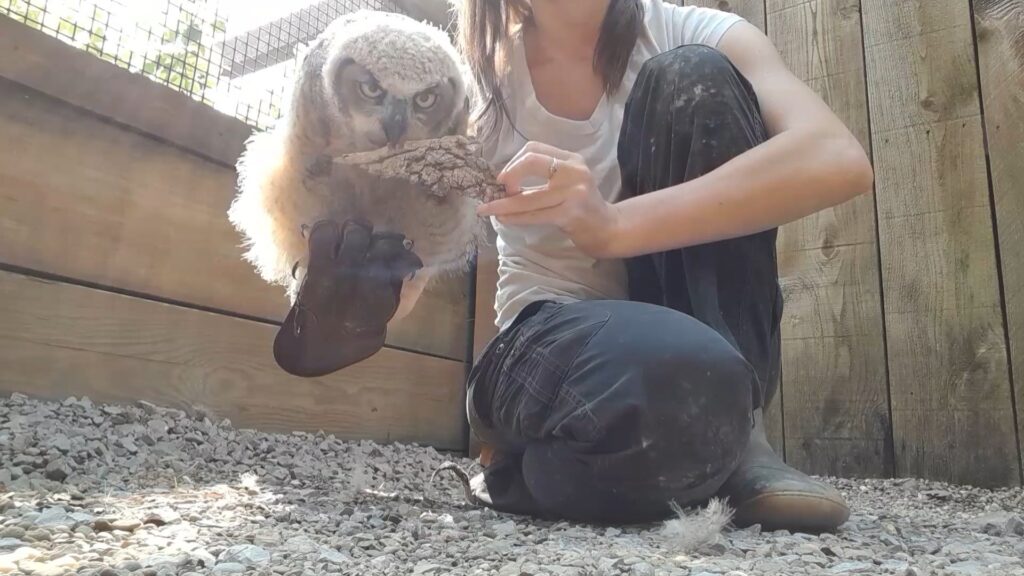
451,164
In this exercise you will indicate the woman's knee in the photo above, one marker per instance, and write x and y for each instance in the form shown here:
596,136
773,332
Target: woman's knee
693,65
670,383
677,363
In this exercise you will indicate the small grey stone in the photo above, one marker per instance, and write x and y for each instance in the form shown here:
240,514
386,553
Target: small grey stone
333,556
1014,525
130,565
42,568
125,525
203,557
851,568
166,560
244,554
57,470
128,445
12,532
968,568
38,535
11,543
229,568
504,529
162,517
54,517
641,569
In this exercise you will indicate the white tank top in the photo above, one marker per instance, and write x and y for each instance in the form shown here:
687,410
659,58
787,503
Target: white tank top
540,262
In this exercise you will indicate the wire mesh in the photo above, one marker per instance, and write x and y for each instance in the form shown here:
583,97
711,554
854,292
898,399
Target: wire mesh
237,56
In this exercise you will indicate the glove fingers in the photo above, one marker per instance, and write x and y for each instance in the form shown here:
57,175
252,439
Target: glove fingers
388,263
390,257
350,256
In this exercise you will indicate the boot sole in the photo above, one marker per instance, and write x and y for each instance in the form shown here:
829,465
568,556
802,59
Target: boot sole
793,511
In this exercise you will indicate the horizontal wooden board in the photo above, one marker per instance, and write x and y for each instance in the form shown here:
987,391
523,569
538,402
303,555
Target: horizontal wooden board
90,200
58,340
47,64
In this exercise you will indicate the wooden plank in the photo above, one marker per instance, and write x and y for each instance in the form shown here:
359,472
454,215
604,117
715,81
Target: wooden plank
59,339
44,63
751,10
999,26
837,410
949,383
89,200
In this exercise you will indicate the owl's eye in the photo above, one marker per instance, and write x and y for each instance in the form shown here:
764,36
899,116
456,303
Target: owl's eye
425,100
370,90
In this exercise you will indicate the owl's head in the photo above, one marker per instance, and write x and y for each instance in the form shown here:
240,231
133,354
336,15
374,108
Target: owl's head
383,78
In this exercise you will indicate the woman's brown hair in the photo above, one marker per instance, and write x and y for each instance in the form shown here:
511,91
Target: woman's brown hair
485,29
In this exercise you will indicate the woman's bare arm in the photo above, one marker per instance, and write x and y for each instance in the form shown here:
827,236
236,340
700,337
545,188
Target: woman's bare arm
810,162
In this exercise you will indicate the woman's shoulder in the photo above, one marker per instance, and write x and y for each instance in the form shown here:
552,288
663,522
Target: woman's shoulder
671,24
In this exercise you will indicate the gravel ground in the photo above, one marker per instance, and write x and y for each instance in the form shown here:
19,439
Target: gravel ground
117,490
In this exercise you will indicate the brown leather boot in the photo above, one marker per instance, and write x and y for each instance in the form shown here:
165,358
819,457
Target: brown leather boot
765,490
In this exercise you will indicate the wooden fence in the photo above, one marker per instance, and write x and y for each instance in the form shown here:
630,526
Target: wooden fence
122,279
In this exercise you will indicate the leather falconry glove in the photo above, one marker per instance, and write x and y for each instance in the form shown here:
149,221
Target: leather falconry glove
350,292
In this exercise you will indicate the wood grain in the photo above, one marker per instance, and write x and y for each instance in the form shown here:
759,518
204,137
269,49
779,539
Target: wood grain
950,390
999,27
51,66
90,200
837,412
58,340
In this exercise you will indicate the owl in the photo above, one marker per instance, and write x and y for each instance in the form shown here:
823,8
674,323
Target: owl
370,81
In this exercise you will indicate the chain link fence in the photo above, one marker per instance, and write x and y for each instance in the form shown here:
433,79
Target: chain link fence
237,56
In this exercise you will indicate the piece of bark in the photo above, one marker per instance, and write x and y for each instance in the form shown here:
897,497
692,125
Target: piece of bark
446,165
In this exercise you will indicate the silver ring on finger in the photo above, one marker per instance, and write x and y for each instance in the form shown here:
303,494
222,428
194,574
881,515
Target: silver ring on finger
553,169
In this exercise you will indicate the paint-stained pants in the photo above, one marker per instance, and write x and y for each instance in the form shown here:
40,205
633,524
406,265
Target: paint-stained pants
606,411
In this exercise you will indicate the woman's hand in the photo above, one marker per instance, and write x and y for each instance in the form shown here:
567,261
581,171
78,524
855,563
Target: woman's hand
570,200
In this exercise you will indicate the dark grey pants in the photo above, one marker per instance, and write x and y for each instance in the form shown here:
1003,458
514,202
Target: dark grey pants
605,411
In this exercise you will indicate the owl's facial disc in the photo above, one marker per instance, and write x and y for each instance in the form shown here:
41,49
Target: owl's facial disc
380,114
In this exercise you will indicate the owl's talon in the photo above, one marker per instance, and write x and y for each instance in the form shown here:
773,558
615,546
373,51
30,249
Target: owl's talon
407,243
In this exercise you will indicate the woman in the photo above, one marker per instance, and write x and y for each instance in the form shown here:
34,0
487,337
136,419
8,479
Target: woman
649,151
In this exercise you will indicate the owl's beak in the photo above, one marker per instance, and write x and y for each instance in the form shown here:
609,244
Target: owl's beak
396,120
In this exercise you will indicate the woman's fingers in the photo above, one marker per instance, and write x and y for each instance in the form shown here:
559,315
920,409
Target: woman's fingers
535,165
541,216
540,198
542,148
